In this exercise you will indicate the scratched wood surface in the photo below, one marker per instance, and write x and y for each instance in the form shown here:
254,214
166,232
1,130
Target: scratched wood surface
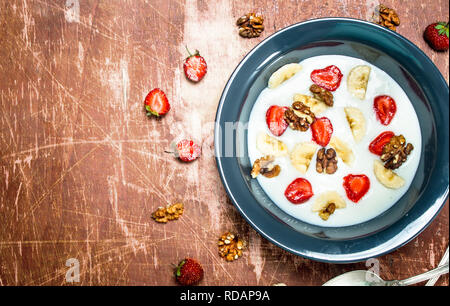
82,168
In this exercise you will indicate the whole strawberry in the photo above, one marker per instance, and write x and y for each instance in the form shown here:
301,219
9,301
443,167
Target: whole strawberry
436,35
195,66
189,272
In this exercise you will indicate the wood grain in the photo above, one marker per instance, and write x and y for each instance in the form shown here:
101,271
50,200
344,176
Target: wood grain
82,168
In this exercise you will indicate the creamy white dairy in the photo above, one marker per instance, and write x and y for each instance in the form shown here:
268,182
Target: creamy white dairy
379,198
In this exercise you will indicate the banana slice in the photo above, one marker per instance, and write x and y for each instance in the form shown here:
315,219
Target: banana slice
270,146
282,74
314,105
342,150
357,81
302,155
386,176
356,121
326,198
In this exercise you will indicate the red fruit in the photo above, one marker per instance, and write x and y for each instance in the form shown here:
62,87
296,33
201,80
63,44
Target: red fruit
328,78
436,35
385,108
299,191
156,103
376,146
195,66
275,119
188,150
322,129
356,186
189,272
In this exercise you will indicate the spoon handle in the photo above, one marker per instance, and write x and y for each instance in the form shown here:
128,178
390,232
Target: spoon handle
444,260
424,276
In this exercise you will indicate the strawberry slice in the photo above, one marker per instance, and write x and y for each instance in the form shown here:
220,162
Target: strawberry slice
188,150
275,119
376,146
322,129
156,103
385,108
299,191
195,66
356,186
328,78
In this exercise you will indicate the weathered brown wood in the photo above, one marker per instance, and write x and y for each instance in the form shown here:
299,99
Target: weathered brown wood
82,168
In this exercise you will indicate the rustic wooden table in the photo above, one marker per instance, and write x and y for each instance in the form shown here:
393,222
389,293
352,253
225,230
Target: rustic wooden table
82,168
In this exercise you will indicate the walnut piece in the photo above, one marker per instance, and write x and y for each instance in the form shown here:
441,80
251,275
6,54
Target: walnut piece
299,116
230,246
168,213
250,25
264,166
327,212
396,152
322,94
386,17
326,161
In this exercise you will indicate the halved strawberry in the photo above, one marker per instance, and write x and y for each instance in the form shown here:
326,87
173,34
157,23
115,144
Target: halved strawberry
156,103
328,78
385,108
299,191
356,186
195,66
275,119
188,150
322,129
376,146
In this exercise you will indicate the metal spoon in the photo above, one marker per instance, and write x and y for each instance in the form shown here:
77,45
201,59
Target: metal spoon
443,261
368,278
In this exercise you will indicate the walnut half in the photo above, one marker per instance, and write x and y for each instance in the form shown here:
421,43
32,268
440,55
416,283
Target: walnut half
396,152
322,94
299,117
264,166
326,161
168,213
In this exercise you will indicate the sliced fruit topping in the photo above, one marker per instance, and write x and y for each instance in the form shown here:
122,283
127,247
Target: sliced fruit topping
282,74
357,81
302,155
188,150
328,78
270,146
377,145
195,66
156,103
387,177
356,186
357,122
299,191
275,119
343,150
322,129
385,108
326,203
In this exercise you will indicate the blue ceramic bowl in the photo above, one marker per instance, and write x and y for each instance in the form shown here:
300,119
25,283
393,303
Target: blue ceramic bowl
412,70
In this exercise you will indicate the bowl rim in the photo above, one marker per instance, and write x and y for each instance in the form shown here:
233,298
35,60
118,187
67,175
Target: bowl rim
412,233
